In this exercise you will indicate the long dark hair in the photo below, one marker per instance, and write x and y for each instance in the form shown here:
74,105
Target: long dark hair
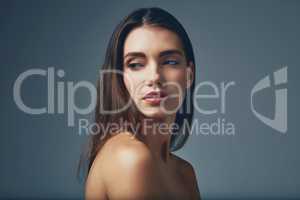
112,93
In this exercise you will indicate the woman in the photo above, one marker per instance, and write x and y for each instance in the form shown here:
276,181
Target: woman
146,83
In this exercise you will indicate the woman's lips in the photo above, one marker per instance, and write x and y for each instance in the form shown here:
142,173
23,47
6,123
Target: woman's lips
154,97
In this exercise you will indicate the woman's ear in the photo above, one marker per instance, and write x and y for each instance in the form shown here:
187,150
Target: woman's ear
190,74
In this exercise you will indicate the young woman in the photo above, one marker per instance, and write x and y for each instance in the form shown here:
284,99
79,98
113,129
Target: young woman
145,95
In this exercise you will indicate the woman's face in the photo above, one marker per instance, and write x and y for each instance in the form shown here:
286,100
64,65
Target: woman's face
156,73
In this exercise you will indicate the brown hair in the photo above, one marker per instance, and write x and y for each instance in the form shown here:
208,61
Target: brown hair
114,91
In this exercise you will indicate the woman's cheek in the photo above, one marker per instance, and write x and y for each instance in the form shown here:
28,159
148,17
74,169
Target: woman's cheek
135,84
177,77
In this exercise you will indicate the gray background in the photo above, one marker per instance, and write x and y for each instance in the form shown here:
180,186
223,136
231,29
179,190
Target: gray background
241,41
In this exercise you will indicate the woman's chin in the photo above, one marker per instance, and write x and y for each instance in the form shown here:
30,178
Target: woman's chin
155,113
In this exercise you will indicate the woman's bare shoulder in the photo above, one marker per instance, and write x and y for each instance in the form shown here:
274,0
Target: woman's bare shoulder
124,165
123,147
121,150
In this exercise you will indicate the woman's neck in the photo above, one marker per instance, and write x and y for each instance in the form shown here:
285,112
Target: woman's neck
157,135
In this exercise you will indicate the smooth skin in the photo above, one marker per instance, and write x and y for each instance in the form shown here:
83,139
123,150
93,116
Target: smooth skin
133,169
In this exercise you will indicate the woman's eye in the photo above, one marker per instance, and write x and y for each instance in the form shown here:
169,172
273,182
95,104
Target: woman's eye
170,62
135,65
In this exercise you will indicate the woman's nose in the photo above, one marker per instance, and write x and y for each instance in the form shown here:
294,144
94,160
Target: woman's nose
154,75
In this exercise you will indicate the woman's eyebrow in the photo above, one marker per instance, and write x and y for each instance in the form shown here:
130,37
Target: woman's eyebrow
135,54
161,54
170,52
